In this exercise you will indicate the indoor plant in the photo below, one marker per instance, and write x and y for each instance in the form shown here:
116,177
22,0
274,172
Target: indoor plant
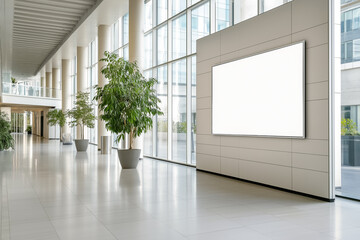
128,103
29,129
6,140
55,117
82,115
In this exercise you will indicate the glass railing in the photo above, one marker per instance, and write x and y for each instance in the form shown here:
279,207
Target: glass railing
31,91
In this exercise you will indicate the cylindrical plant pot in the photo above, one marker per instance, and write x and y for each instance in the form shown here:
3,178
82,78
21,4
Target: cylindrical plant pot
129,158
81,144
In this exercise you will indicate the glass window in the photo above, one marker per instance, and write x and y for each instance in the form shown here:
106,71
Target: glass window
93,80
356,49
200,24
193,110
162,45
115,36
356,19
179,37
244,9
126,53
179,111
342,52
126,29
178,6
222,14
162,121
270,4
342,22
148,136
349,51
348,21
148,51
148,15
162,9
194,1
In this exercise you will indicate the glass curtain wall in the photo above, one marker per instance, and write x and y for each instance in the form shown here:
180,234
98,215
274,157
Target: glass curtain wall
17,122
73,90
350,100
171,30
92,81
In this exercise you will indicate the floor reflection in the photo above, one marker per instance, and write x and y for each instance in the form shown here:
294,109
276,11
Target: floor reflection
50,191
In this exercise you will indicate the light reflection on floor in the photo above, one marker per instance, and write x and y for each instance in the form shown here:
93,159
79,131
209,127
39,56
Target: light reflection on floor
49,191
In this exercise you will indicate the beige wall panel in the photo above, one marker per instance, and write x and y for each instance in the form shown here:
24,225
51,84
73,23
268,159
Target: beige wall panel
256,155
203,103
208,139
212,42
311,182
265,27
320,147
266,46
309,13
317,64
274,175
310,162
317,115
206,65
208,163
203,85
314,36
276,144
208,149
204,116
230,167
317,91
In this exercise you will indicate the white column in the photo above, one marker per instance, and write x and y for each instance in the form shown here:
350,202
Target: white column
48,84
81,79
103,45
136,46
43,86
55,82
66,90
25,121
46,126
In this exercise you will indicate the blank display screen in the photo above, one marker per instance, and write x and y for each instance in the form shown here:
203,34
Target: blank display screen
261,95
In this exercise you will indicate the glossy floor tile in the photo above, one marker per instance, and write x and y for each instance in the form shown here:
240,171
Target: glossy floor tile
49,191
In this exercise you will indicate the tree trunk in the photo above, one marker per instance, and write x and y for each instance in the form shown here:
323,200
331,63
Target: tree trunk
131,138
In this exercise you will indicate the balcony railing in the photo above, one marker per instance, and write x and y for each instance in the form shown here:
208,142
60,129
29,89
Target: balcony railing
30,91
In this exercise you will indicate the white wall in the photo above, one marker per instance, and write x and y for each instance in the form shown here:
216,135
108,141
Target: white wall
294,164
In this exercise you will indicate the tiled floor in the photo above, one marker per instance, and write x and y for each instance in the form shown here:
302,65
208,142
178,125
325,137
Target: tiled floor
48,191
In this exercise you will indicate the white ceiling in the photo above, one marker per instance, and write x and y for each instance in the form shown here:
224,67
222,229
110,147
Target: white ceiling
36,34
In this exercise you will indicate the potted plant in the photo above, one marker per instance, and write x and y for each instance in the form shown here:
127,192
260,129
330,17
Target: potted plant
13,87
55,117
128,103
6,140
29,129
82,115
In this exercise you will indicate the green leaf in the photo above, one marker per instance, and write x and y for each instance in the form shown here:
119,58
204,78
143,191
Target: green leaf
128,102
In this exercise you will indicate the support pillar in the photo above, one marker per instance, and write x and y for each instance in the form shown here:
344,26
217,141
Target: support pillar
82,59
43,86
55,82
103,45
48,86
136,46
66,90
